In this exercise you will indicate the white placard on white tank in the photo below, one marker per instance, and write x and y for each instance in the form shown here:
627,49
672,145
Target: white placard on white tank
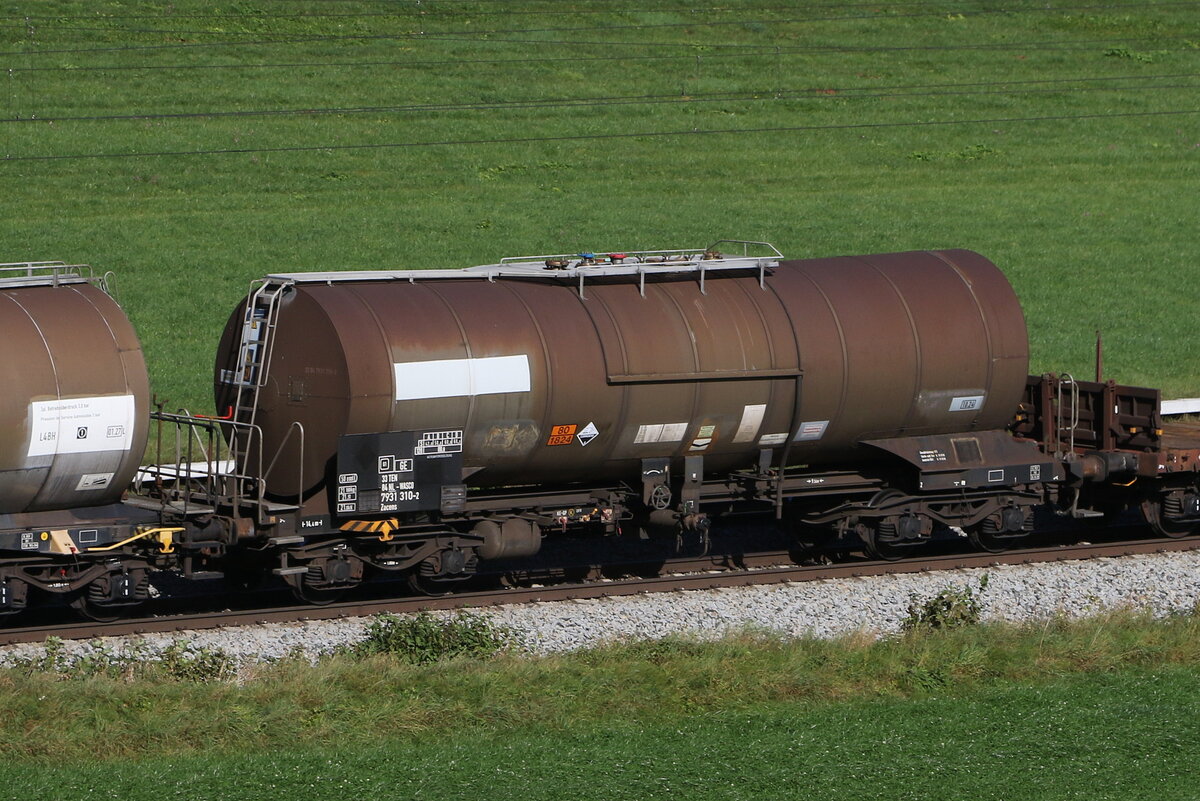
969,403
662,432
460,378
81,425
752,417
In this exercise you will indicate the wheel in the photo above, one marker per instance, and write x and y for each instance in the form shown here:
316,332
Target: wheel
111,597
100,613
875,545
425,585
327,580
1166,526
982,536
318,597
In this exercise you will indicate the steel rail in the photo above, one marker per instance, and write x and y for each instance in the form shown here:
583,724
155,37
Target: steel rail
710,578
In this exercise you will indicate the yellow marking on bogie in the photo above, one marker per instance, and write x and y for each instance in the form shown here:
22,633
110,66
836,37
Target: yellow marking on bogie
163,535
383,528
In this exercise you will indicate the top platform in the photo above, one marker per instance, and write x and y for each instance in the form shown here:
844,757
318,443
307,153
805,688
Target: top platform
44,273
573,266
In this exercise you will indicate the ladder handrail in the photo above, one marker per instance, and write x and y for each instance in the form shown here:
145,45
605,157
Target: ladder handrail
1069,380
255,349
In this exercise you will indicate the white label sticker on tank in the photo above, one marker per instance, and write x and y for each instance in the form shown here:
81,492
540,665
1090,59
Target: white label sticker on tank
663,432
811,431
93,481
461,378
752,417
81,425
968,403
770,440
589,433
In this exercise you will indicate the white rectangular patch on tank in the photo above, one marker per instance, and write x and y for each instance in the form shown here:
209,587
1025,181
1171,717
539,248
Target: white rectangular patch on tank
968,403
663,432
752,417
81,425
461,378
811,431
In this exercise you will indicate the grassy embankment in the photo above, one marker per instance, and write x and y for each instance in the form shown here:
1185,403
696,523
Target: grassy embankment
1107,706
1061,143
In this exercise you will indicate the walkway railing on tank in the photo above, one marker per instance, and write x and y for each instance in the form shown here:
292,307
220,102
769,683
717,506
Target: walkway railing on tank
46,273
195,470
576,267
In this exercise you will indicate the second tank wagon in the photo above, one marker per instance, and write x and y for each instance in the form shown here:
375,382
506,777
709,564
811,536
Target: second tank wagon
570,369
460,414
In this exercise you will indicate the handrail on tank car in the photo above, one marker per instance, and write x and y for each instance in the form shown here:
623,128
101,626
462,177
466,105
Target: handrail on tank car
295,426
745,243
681,256
1067,380
214,486
181,472
44,273
581,266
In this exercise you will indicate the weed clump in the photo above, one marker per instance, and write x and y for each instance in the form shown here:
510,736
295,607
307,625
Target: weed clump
180,661
421,639
950,608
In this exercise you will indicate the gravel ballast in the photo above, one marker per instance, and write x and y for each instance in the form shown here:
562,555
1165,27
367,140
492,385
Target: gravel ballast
1157,583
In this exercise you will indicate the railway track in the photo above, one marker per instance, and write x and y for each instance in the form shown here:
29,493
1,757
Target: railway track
682,574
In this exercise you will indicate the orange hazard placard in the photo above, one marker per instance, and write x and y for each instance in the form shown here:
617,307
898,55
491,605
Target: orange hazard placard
562,435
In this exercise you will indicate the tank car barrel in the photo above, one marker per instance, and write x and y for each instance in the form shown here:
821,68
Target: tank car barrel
544,384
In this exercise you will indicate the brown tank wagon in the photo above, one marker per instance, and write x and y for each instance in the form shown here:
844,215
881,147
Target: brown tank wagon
75,414
540,380
632,390
75,406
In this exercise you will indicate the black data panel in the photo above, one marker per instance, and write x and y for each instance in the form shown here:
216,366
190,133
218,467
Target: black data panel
396,471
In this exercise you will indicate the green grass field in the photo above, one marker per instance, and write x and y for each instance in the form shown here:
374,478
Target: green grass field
1127,736
191,147
1105,708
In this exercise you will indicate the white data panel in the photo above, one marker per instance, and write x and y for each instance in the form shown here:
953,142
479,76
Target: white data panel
460,378
81,425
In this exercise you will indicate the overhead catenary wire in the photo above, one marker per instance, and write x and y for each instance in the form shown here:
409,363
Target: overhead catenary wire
330,147
700,51
477,35
424,7
1037,86
692,23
